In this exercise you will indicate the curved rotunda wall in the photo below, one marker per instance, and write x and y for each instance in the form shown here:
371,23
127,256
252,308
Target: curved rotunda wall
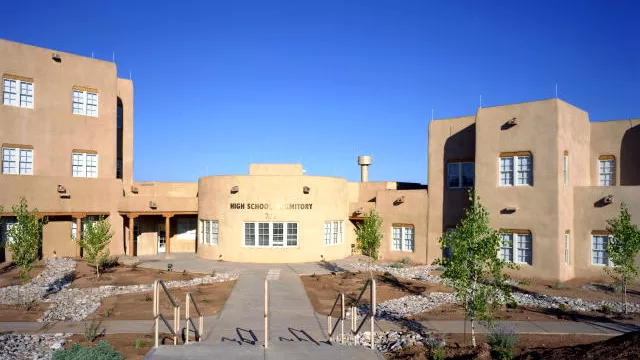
273,199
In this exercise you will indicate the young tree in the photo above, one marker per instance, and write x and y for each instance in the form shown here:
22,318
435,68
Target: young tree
622,248
368,235
474,268
96,237
24,238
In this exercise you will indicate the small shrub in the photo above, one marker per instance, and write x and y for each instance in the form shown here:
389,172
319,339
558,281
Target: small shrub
92,330
435,343
102,351
109,262
107,312
617,287
524,282
562,307
397,265
606,309
205,300
148,297
559,285
27,305
512,305
213,273
134,267
502,341
140,344
406,260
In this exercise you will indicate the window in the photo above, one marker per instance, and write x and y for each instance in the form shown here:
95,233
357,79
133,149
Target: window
209,232
5,225
74,229
599,249
18,92
85,102
17,160
607,170
518,168
516,247
271,234
84,165
333,232
186,228
567,244
402,238
460,175
565,168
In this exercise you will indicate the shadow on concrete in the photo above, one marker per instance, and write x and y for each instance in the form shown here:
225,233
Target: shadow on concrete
303,336
244,337
331,266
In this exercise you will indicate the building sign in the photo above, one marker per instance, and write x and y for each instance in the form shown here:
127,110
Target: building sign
266,206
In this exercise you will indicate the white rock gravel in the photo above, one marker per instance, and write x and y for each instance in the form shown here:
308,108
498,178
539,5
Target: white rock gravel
422,273
32,347
57,274
392,341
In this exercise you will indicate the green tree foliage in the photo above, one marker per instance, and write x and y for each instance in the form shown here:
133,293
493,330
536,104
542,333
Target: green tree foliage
102,351
623,247
24,238
96,237
474,269
368,235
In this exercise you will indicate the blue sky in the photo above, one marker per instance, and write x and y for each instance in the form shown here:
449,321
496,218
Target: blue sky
219,85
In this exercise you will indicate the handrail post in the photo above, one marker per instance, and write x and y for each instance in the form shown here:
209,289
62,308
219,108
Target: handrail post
342,318
176,324
373,312
329,327
155,310
187,317
201,332
266,313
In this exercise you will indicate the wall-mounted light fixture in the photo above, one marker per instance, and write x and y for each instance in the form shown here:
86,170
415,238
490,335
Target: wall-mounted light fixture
62,189
56,57
398,201
608,199
235,189
513,121
508,210
306,189
134,189
153,205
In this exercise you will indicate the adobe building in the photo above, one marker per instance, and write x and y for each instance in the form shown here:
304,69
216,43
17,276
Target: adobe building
549,177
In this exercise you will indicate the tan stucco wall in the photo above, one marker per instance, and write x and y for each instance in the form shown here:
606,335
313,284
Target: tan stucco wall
607,139
125,93
328,196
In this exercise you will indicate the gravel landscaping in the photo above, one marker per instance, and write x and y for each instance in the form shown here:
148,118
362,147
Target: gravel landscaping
57,274
36,347
422,273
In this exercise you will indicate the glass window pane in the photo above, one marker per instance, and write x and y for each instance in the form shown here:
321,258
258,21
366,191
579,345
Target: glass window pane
453,175
467,175
397,238
408,239
250,234
292,234
263,234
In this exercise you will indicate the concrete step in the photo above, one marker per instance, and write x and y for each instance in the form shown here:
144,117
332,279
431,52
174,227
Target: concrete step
277,350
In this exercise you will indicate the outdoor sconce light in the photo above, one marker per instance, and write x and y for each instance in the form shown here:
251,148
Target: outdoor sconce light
608,199
220,257
235,189
56,57
359,211
62,189
169,267
398,201
134,189
513,121
153,205
306,189
322,257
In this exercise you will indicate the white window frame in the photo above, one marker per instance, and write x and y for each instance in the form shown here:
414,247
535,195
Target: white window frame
6,224
612,179
514,248
18,100
333,232
406,241
607,261
83,101
565,169
83,165
290,238
14,164
515,179
74,229
567,248
458,170
209,232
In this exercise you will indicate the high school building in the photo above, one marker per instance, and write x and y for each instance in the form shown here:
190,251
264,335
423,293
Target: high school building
549,177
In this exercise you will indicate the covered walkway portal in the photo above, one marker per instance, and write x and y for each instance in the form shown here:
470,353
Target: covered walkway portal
150,233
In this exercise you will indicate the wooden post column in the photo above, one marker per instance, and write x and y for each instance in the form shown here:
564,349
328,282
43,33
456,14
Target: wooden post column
167,231
131,234
78,234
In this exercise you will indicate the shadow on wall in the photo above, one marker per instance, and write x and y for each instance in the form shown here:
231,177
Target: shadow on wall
460,146
630,157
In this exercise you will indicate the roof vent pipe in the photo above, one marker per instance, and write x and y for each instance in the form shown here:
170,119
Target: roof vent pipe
364,161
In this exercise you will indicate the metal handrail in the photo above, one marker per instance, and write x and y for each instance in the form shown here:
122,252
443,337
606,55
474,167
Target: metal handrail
355,328
199,331
330,329
157,315
266,313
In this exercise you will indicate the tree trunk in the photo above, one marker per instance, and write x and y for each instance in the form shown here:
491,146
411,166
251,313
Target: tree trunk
473,315
624,293
97,269
473,332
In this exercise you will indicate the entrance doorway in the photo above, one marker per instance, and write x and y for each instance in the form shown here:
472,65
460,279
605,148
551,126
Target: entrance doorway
162,240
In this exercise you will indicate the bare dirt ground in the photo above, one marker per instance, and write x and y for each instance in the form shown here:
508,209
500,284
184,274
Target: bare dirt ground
323,289
22,313
456,348
209,298
9,273
124,343
574,288
85,276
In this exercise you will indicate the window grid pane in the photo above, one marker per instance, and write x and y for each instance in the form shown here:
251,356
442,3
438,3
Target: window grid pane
506,248
250,234
92,104
278,234
397,239
408,239
506,171
566,248
453,175
524,248
9,161
92,165
292,234
607,172
26,94
599,252
10,92
26,161
78,102
467,175
263,234
327,232
524,170
214,232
